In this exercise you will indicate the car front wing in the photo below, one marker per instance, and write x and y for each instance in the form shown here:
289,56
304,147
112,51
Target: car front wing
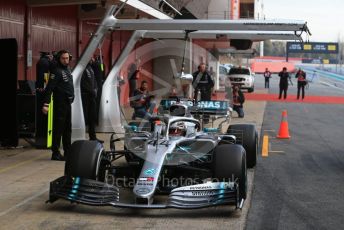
95,193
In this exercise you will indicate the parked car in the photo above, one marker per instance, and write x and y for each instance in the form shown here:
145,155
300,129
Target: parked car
228,65
223,75
243,77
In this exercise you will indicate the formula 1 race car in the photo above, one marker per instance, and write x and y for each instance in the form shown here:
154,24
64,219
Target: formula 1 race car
169,155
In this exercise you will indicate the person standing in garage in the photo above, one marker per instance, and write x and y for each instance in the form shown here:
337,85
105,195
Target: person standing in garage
133,72
301,83
267,76
202,83
43,70
283,84
89,91
60,84
43,67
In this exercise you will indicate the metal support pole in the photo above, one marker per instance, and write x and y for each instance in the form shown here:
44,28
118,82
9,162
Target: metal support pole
109,111
261,49
78,121
190,89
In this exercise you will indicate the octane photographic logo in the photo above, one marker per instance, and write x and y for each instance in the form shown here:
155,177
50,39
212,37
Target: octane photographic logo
166,56
168,182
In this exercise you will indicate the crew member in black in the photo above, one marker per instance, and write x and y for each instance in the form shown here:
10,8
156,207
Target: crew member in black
267,76
61,85
42,77
89,96
283,84
301,83
43,70
132,78
202,82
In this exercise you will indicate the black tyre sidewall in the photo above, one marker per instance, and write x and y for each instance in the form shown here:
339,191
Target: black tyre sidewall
249,142
229,164
84,159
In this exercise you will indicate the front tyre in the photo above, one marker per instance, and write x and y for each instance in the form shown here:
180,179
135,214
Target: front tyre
229,164
87,160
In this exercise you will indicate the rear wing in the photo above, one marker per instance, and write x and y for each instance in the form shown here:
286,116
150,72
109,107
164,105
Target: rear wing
219,108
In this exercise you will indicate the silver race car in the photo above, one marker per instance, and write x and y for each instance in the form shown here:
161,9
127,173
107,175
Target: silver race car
171,161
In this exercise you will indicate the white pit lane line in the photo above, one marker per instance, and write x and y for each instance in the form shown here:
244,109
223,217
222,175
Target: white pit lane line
27,200
331,85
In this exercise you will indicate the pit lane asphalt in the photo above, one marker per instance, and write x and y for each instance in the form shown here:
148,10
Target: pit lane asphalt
24,181
301,187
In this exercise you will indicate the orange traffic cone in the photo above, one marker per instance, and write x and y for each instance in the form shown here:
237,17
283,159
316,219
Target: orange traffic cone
284,128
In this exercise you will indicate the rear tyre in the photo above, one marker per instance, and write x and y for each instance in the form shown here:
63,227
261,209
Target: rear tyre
86,160
229,164
247,136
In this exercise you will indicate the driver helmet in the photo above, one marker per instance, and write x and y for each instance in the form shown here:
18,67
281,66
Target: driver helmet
177,129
